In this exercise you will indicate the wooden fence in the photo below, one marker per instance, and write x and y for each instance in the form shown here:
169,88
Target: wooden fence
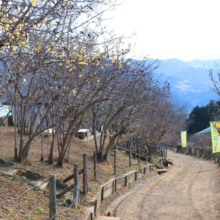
201,152
106,189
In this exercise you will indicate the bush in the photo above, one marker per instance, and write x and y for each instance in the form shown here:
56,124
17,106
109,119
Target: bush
183,151
178,148
201,151
189,151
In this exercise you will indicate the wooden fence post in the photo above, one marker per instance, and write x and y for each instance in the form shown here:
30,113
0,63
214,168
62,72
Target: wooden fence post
130,158
52,197
115,161
95,165
76,188
85,180
139,160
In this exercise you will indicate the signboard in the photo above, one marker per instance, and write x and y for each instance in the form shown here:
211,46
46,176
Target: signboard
215,137
183,138
4,110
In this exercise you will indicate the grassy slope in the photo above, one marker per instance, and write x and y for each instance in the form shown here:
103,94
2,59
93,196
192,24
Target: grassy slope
34,204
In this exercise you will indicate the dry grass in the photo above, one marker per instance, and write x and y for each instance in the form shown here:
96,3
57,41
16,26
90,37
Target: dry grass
78,148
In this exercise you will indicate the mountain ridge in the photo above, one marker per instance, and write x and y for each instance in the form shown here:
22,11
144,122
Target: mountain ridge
189,80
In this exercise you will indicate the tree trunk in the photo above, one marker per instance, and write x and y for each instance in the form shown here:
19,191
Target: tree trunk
21,136
94,130
15,123
58,143
67,141
100,155
50,158
42,148
72,135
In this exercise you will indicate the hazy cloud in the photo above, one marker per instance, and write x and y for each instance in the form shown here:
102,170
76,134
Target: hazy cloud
186,85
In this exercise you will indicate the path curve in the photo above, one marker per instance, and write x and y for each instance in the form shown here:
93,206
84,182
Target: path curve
190,190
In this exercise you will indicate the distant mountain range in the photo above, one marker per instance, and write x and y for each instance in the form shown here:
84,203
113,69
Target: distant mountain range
190,81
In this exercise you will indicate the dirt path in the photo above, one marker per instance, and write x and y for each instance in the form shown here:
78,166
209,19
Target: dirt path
190,190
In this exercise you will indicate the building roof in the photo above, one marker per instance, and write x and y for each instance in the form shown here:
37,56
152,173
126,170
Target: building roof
4,110
205,131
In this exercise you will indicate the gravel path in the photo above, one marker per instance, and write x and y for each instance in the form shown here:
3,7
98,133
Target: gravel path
190,190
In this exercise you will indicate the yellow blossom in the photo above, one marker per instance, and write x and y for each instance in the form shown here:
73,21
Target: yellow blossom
82,63
97,63
33,2
21,43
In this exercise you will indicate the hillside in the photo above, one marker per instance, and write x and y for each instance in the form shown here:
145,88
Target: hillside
190,82
34,203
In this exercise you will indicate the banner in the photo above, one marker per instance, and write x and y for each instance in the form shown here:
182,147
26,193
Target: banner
215,136
183,138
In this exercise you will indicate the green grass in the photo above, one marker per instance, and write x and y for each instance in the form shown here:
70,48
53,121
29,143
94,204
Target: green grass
39,209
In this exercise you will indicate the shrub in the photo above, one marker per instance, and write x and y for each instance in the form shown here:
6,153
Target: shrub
178,148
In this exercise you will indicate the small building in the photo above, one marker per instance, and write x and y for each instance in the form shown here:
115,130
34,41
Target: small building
5,115
83,133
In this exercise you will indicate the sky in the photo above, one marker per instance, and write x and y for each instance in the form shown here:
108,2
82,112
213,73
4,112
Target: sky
182,29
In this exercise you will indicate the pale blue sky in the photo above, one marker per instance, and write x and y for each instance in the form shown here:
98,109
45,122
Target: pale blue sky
183,29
